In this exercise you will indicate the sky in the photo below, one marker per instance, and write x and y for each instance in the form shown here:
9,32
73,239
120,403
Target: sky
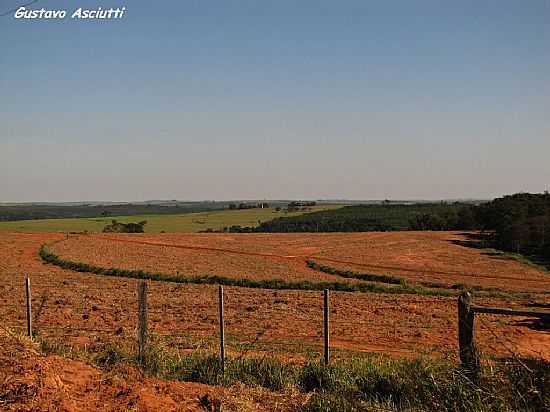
286,99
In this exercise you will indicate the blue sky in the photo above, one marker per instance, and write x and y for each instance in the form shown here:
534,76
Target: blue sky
264,99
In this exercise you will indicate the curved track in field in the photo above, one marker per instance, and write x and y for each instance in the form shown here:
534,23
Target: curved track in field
210,249
308,256
84,308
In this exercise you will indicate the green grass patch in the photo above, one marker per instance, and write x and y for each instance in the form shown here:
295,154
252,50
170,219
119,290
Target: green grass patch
371,277
424,385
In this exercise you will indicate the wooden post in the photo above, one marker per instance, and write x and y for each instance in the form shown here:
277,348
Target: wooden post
29,308
326,327
469,355
222,331
142,319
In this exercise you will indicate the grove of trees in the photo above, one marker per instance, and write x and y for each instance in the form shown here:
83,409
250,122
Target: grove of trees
517,223
118,227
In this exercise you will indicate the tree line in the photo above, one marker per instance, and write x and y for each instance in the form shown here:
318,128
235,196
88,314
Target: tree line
62,211
361,218
517,223
242,205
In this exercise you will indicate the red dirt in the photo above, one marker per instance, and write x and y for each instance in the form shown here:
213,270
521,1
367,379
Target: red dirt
87,311
415,256
30,382
94,309
173,259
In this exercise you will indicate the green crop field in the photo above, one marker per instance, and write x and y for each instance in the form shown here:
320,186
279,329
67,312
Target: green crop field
187,222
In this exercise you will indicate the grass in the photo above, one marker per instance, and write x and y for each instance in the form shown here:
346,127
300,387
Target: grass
424,385
371,277
358,384
187,222
278,284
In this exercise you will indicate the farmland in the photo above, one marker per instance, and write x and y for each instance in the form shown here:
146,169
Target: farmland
186,309
186,222
84,314
413,256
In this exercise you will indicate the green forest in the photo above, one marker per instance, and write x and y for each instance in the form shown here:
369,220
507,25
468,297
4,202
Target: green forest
518,223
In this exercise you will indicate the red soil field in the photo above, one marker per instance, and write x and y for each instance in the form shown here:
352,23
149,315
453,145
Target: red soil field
414,256
89,310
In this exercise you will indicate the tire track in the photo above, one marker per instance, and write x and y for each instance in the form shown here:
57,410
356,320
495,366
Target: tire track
317,257
211,249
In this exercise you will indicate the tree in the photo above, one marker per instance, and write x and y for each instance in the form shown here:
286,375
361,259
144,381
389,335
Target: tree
117,227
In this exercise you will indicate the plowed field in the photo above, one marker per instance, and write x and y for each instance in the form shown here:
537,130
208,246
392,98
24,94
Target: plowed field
87,310
414,256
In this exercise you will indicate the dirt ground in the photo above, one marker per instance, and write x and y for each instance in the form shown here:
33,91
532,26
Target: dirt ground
415,256
30,381
88,309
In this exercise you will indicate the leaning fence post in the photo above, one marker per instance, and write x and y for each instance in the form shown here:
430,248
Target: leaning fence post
466,336
222,331
29,309
326,327
142,319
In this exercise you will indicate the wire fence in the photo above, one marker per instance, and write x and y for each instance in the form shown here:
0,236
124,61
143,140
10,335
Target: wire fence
272,322
468,312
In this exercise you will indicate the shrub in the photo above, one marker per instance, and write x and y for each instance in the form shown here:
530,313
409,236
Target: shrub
118,227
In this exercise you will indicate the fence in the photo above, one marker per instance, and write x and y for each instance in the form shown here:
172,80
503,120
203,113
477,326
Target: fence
468,351
469,354
143,316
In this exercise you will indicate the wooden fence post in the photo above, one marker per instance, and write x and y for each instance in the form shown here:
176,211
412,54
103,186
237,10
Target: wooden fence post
222,331
29,308
469,355
326,327
142,319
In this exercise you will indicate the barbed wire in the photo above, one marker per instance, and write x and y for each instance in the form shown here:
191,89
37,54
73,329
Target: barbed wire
504,344
43,305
